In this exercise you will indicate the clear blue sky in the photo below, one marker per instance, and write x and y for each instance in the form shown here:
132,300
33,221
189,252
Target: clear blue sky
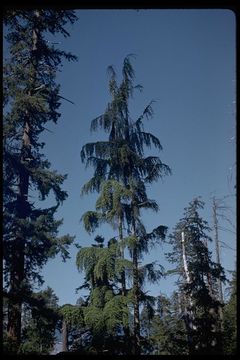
186,61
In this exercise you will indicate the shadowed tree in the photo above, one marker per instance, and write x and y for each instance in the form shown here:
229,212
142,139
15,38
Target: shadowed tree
195,266
31,100
230,320
38,335
167,334
71,318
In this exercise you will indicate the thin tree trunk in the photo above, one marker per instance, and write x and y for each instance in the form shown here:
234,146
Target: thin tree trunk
136,326
220,292
126,329
136,317
189,316
209,277
217,248
123,277
64,336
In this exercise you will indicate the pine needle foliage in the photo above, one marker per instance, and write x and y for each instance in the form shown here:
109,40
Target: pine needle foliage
31,101
230,319
40,318
198,291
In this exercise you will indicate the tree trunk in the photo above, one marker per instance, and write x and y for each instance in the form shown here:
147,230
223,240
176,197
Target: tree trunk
64,336
17,271
136,326
220,292
217,248
209,277
126,329
123,277
15,303
189,315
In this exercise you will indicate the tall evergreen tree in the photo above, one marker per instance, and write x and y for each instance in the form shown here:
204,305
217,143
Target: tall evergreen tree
230,319
39,322
167,331
72,321
193,261
121,158
31,99
106,312
38,335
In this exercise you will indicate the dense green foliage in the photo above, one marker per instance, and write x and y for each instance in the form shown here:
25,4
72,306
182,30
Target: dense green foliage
31,100
166,330
40,319
230,320
121,172
199,274
38,334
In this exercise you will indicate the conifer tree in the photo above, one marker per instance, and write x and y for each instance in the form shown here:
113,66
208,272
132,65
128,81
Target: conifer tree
72,321
39,322
31,100
167,331
230,319
121,158
106,311
193,261
38,335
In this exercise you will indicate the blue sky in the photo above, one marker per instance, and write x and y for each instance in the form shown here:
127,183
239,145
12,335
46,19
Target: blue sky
185,60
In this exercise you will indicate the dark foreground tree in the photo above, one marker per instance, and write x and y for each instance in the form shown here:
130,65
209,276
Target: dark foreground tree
199,278
38,331
167,333
40,319
72,321
230,320
31,100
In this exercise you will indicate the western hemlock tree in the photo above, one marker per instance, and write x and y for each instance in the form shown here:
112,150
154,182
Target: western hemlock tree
121,158
38,334
230,320
109,265
198,301
72,320
167,331
106,312
31,100
138,243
